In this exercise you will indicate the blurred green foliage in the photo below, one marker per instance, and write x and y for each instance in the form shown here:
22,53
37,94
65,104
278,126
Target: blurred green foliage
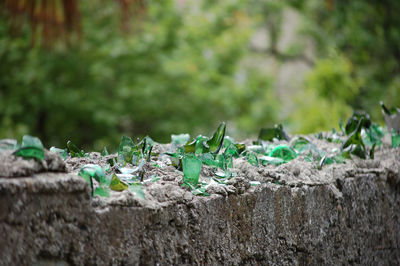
181,70
358,54
179,73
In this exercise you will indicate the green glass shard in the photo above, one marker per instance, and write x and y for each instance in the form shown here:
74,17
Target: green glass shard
8,144
231,150
256,148
74,151
190,146
395,139
252,158
125,150
359,119
63,152
117,185
199,190
29,141
241,147
325,160
201,145
270,160
31,147
180,139
137,190
228,141
198,145
392,118
94,171
222,162
268,134
102,191
300,144
105,152
339,158
373,135
215,143
208,159
283,152
30,152
255,183
191,166
354,143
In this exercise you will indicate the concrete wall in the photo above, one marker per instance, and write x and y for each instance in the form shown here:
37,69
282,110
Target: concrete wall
51,219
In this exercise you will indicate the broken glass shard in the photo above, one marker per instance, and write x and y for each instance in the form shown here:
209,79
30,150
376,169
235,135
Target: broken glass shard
277,132
215,143
102,191
252,158
8,144
125,150
395,139
179,139
63,152
74,151
94,171
300,144
191,169
137,190
270,160
283,152
117,185
31,147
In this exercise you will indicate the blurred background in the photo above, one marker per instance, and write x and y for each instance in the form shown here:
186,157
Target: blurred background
92,71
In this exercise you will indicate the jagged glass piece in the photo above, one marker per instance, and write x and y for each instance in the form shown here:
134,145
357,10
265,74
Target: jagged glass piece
252,158
31,147
283,152
395,139
191,166
268,134
117,185
125,150
63,152
74,151
215,143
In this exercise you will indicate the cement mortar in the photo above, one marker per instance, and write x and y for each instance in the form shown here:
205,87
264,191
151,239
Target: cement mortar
343,214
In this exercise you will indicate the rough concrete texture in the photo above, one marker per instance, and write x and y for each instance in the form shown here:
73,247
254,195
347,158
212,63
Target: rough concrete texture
343,214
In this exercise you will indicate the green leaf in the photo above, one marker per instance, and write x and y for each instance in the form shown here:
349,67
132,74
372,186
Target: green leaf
117,185
31,147
215,143
268,134
191,166
74,151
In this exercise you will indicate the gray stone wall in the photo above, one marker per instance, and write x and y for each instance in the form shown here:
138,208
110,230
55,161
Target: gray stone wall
51,219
